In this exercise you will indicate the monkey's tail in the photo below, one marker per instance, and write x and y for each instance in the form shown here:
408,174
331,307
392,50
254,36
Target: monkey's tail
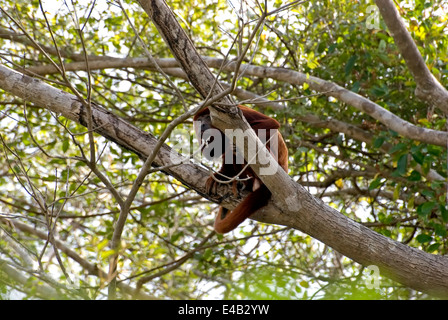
227,220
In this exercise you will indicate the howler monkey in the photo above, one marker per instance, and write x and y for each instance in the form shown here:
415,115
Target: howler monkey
264,127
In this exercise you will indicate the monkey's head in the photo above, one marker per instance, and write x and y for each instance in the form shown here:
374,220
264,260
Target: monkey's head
211,139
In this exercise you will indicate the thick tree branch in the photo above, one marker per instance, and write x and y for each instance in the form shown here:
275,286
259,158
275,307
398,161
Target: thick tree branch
105,123
428,88
392,121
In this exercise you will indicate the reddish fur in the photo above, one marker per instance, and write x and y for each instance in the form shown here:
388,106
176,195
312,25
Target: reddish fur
259,197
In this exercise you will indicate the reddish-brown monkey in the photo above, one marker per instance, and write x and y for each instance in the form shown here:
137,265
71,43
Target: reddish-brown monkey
227,220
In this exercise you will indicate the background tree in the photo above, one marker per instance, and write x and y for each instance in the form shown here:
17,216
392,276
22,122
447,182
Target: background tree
364,120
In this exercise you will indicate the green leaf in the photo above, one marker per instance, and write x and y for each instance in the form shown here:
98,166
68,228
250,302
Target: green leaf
440,229
106,254
402,164
356,86
102,244
378,91
382,36
398,147
65,145
427,193
418,156
176,237
433,247
426,208
424,238
350,64
375,183
378,142
394,134
415,176
207,254
397,191
426,166
444,212
434,150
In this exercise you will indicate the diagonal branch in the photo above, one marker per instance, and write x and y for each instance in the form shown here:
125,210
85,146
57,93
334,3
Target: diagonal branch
428,88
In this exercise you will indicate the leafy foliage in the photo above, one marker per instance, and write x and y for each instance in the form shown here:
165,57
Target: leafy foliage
41,153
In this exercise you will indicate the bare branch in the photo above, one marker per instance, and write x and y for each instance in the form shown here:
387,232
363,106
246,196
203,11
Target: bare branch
392,121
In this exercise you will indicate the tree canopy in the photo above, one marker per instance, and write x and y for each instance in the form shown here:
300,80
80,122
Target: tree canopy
89,89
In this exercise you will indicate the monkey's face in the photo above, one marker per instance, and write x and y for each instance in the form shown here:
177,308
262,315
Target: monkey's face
210,138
